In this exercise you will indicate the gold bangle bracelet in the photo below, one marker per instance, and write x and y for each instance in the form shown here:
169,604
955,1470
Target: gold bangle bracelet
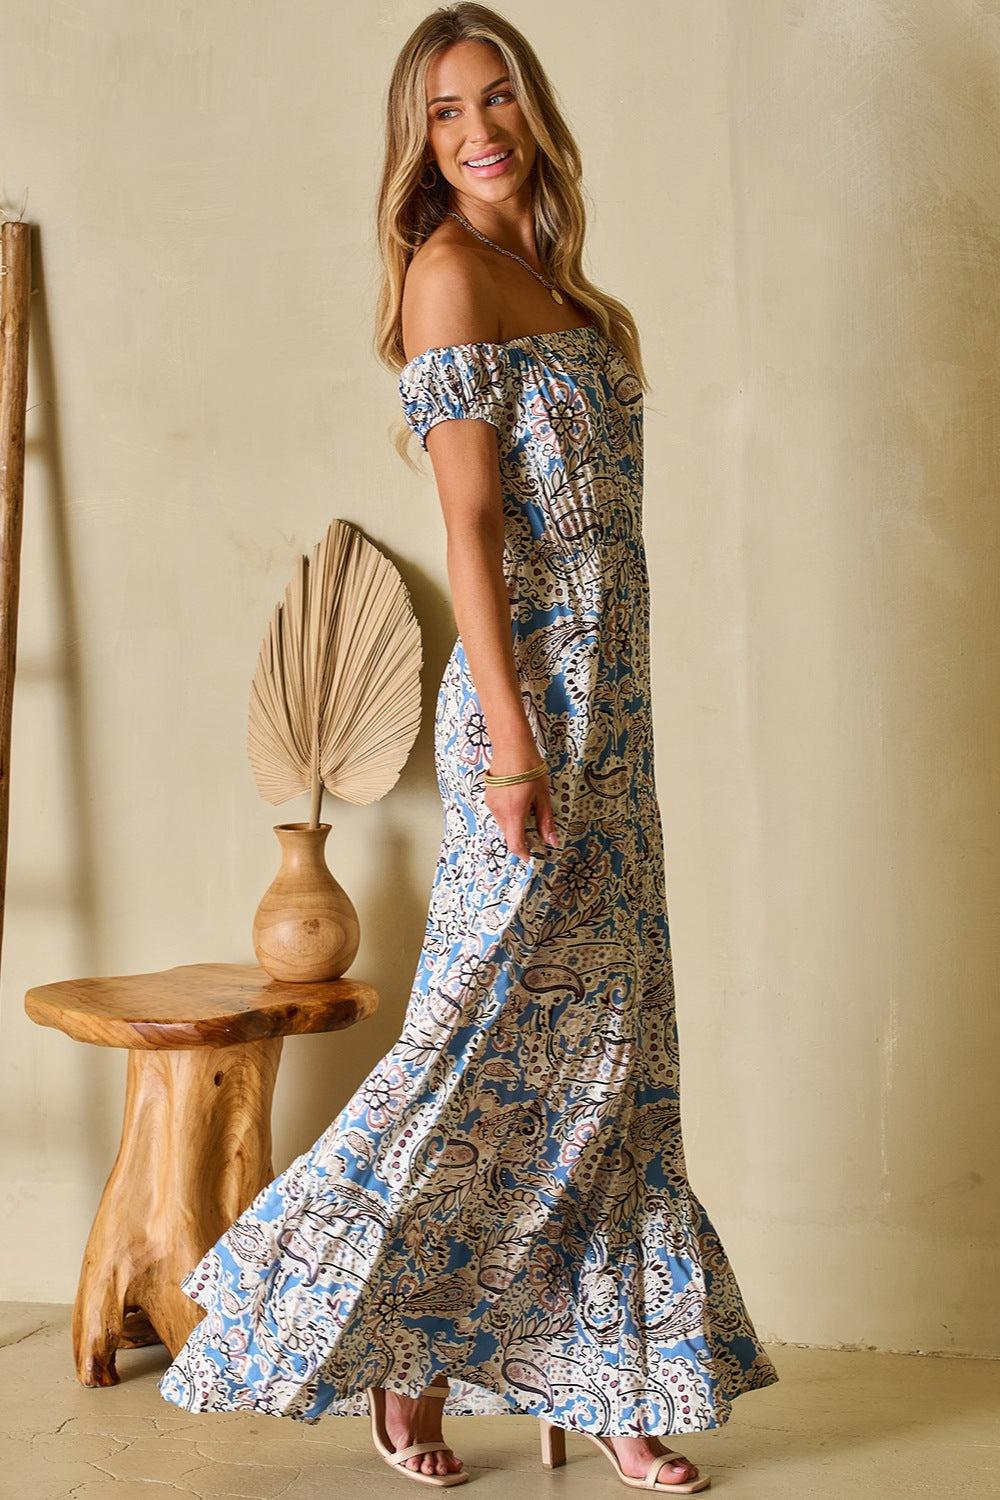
491,780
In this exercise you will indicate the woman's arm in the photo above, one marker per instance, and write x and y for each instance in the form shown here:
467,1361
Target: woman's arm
451,300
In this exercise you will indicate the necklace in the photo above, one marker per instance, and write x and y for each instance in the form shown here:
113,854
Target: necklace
549,285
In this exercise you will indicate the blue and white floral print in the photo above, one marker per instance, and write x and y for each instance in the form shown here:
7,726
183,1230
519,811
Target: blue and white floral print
505,1198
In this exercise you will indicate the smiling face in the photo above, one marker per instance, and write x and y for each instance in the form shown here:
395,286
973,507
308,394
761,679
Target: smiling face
472,114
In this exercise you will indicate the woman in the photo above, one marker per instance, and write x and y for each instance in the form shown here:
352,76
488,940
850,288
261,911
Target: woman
501,1215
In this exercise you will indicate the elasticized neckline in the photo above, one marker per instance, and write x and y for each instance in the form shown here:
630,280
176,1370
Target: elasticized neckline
524,338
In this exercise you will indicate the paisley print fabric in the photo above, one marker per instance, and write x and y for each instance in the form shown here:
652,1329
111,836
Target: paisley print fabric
505,1198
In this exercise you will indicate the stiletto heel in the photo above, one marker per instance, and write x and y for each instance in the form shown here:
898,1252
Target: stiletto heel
553,1445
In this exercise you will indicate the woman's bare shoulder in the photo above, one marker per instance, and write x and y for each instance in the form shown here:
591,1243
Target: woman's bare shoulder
449,297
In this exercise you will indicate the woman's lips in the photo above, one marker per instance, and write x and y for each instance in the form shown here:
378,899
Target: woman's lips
495,168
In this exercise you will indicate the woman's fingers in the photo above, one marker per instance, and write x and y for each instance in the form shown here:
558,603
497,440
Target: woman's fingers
510,807
514,832
544,817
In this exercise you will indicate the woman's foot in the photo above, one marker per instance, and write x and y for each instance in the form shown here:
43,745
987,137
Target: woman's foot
410,1419
635,1454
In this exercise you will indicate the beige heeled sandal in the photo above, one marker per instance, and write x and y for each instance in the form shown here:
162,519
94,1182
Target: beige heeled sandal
554,1456
396,1458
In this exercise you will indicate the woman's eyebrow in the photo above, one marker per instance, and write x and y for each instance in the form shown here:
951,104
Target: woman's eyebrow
450,98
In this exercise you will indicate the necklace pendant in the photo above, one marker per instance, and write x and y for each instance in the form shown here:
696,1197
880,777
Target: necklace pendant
556,295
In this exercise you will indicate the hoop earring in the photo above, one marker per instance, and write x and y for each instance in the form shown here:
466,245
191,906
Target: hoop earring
422,183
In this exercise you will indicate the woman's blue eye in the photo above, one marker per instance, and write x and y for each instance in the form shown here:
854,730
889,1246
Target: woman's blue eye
445,112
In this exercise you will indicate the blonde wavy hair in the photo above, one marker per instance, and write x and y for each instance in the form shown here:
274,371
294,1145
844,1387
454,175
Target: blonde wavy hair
407,212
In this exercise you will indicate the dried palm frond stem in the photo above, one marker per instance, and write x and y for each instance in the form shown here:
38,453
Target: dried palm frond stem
335,699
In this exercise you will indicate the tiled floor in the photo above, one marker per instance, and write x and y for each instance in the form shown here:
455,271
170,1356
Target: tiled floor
836,1423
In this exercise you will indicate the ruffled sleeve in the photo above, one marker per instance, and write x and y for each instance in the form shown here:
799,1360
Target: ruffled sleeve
455,381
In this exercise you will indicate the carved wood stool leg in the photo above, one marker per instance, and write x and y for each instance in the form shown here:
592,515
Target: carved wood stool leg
195,1151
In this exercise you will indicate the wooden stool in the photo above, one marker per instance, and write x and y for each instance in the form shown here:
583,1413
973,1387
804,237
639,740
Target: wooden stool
204,1042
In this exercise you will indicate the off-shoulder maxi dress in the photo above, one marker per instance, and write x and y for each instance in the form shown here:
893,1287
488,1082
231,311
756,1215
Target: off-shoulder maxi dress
505,1198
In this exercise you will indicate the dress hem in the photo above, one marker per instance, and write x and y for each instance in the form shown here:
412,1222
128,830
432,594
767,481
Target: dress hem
515,1407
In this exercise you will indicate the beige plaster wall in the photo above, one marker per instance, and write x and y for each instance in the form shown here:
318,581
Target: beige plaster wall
799,199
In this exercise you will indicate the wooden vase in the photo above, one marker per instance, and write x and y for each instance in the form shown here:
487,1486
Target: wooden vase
306,927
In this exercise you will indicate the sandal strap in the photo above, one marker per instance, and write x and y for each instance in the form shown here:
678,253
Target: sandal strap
415,1448
437,1390
657,1463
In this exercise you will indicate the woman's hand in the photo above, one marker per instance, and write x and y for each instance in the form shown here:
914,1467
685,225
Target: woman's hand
510,805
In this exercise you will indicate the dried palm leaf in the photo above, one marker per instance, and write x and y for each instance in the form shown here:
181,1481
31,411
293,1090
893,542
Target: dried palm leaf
335,699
